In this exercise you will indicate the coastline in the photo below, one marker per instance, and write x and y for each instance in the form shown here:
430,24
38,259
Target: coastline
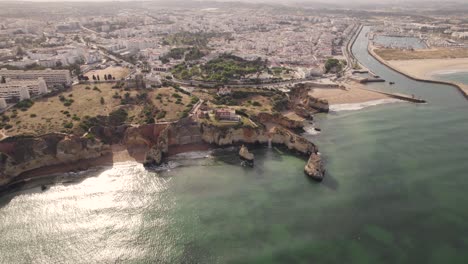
154,152
353,93
461,87
118,154
362,105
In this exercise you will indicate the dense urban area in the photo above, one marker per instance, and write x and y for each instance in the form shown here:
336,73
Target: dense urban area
72,67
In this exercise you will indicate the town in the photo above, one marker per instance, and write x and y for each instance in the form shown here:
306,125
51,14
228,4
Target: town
160,63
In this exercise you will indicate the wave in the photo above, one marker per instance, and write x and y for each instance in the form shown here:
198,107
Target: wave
310,130
167,166
192,155
359,106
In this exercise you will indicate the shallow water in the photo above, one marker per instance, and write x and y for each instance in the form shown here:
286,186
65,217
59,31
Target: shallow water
395,192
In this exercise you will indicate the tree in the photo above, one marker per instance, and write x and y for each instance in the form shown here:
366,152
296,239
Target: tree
98,78
109,77
94,77
102,100
333,64
105,77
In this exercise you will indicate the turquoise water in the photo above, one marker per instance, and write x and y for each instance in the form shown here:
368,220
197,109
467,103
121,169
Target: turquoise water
395,192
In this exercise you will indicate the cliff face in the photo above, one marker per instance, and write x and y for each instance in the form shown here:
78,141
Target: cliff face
230,136
306,103
280,120
21,154
314,167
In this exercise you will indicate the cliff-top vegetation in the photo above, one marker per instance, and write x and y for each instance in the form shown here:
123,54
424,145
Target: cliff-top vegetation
223,69
75,110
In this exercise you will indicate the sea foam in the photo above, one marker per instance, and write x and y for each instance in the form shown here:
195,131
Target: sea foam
359,106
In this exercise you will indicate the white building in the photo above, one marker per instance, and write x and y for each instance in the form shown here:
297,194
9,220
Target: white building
51,77
22,89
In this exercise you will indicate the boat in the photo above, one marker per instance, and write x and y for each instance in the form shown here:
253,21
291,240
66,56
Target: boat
391,83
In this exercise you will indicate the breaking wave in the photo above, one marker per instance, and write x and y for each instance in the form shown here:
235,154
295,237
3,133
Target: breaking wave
359,106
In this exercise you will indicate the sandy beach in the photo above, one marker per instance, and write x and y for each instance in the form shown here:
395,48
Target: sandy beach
118,154
426,68
354,93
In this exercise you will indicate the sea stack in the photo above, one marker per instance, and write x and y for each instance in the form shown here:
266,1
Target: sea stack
246,155
314,167
153,156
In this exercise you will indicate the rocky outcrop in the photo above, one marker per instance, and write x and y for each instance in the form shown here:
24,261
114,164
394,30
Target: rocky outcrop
22,154
303,102
280,120
314,167
160,148
154,156
321,105
245,154
247,135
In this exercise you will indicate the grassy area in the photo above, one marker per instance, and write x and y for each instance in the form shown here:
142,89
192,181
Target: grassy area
248,100
188,54
440,53
63,112
243,122
222,69
67,111
192,39
171,102
117,72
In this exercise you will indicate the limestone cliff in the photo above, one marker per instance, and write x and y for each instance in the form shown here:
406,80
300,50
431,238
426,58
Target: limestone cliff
245,154
280,120
314,167
157,151
304,103
21,154
230,136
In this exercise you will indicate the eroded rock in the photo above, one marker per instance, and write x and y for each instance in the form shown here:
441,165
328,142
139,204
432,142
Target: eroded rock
314,167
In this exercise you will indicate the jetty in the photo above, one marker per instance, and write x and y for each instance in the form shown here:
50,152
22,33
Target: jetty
399,96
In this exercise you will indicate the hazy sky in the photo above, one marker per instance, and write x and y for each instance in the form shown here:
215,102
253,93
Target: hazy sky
346,2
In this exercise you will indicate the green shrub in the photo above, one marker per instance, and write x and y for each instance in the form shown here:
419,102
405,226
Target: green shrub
161,115
68,125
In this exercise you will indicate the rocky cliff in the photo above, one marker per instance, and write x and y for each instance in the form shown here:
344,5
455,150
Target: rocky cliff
314,167
277,135
245,154
304,103
21,154
280,120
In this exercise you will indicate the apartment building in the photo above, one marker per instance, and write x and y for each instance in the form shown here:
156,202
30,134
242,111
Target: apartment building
51,77
13,90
